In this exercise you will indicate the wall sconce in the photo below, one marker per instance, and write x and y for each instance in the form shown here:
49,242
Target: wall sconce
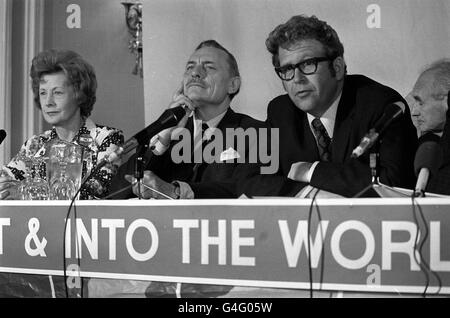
133,16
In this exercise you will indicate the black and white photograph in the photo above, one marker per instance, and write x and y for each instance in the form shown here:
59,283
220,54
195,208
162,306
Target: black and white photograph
226,154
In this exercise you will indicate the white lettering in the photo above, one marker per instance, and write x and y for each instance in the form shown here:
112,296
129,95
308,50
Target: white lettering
293,248
3,222
388,247
369,248
237,241
436,264
112,225
154,240
186,226
68,240
219,240
83,235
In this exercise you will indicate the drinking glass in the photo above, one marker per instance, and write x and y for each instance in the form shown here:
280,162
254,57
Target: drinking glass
34,187
64,165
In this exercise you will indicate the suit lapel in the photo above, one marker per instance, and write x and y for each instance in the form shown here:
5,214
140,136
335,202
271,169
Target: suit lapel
343,125
301,135
306,137
230,120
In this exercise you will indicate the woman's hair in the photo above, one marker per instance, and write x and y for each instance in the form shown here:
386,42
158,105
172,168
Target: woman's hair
79,74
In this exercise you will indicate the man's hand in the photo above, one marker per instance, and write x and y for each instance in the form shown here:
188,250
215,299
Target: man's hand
8,188
151,181
178,99
299,171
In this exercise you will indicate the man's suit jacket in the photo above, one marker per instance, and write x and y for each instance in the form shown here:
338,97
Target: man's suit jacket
214,180
440,183
362,103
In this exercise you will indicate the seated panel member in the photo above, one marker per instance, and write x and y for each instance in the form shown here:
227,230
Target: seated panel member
211,80
430,113
64,88
325,114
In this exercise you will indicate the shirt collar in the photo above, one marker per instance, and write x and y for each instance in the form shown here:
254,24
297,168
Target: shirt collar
212,123
328,118
86,125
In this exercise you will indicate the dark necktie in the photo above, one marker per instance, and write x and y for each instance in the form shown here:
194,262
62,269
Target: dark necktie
196,176
323,140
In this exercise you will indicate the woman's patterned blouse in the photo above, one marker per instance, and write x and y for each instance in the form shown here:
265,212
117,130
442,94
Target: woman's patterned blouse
100,140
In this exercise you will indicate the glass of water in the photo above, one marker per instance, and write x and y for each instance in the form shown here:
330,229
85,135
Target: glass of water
64,165
34,187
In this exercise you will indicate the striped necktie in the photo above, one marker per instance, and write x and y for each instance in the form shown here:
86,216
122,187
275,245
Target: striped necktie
323,140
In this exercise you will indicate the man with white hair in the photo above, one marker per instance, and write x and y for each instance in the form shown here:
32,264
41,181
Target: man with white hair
430,113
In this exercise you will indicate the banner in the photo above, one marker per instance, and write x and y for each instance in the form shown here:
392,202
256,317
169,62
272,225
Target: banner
356,244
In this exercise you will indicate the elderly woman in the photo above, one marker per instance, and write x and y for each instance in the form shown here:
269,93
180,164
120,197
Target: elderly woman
64,87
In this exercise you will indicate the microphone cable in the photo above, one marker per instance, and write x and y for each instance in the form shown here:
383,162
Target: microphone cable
419,250
424,266
72,203
322,253
78,248
319,228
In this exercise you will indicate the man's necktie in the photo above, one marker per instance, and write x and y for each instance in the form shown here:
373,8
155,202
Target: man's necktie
196,176
323,140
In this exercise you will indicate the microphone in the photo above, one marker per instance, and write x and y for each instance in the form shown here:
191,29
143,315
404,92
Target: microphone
2,135
170,117
427,161
392,112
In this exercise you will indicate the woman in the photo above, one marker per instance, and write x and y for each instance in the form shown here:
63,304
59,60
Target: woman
64,87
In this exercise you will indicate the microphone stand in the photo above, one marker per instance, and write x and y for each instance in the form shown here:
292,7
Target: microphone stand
139,165
143,155
375,185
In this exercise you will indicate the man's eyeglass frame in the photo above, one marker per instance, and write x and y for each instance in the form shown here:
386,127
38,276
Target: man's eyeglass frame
282,70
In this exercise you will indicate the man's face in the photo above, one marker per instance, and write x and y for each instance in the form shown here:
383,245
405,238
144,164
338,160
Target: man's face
207,79
428,103
313,93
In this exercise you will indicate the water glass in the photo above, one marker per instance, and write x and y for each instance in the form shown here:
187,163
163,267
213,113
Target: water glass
33,187
64,166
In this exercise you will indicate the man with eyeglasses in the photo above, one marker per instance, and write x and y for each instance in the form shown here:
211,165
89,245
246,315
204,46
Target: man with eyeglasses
430,113
326,113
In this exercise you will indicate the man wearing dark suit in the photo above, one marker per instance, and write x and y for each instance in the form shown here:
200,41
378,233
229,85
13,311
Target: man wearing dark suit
430,111
210,82
324,116
440,183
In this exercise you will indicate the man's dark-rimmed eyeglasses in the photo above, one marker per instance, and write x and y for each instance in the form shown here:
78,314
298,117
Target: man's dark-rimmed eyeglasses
307,67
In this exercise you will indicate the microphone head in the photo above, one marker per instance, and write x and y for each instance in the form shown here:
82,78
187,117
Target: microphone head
169,118
401,105
178,112
391,112
2,135
394,110
429,154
